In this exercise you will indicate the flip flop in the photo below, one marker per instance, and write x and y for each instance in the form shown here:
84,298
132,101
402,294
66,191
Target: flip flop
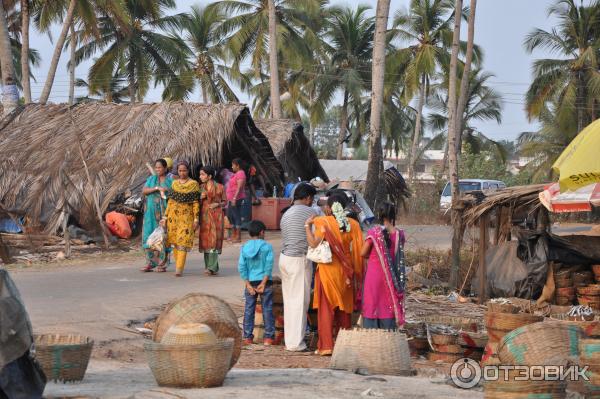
160,269
146,269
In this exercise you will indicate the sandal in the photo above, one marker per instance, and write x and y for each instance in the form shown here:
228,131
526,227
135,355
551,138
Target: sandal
146,269
326,352
160,269
178,274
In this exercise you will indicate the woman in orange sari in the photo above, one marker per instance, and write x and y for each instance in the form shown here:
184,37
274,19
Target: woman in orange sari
336,283
211,219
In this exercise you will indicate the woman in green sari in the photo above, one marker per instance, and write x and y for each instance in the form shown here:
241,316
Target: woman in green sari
156,203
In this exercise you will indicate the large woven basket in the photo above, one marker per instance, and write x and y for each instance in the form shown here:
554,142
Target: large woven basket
190,366
541,344
589,329
376,351
63,357
590,290
589,351
499,324
205,309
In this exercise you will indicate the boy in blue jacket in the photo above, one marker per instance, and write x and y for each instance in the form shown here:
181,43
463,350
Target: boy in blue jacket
255,267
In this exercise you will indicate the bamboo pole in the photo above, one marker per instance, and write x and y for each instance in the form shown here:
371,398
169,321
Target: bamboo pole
483,241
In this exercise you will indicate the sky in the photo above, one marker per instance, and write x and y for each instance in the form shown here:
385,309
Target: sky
501,27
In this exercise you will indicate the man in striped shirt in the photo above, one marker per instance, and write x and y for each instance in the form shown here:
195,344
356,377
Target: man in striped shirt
295,269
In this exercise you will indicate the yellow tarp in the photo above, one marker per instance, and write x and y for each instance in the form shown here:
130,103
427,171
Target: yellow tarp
579,164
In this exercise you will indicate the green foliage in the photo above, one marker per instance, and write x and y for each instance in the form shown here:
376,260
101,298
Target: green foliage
489,165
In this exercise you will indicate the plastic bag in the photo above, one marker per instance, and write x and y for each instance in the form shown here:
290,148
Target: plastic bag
156,240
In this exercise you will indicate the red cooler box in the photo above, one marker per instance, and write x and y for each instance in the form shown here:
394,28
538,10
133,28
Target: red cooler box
269,212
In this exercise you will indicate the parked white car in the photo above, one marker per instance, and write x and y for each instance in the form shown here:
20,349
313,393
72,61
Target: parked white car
465,186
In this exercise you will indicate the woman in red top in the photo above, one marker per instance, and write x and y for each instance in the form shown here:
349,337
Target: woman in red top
236,196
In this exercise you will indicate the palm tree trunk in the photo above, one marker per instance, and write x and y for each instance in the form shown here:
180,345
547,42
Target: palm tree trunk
343,127
25,78
204,96
452,153
10,97
374,191
131,78
412,157
57,51
464,84
73,46
273,63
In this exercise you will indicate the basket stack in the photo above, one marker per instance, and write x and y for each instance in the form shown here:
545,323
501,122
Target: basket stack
416,332
583,277
204,309
596,272
372,351
565,290
63,358
473,344
445,348
589,296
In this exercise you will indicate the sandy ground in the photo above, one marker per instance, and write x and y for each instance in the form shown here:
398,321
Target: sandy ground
106,380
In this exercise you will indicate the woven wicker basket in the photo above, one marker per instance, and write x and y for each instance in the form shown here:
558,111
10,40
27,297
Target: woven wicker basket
499,324
541,344
377,351
63,357
451,349
460,323
472,340
589,351
444,339
585,277
502,307
490,355
566,292
189,334
565,300
190,366
205,309
564,283
590,329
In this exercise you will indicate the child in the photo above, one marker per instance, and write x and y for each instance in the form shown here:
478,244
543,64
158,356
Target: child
255,267
383,290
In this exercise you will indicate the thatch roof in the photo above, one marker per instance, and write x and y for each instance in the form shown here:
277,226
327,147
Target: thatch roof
45,150
512,197
292,148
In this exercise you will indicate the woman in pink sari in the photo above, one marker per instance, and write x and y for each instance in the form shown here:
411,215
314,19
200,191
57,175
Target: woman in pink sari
383,289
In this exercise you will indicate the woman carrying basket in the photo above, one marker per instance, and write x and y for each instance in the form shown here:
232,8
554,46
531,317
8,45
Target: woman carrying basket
155,191
337,283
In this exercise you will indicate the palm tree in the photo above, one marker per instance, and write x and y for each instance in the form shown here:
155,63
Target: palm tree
375,162
114,92
350,34
273,63
545,145
32,56
201,34
140,51
482,104
572,80
427,29
6,62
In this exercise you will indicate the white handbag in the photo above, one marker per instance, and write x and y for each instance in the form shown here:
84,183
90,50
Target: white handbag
320,254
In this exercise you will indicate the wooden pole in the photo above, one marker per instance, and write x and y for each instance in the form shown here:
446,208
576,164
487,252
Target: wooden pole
483,241
4,253
66,235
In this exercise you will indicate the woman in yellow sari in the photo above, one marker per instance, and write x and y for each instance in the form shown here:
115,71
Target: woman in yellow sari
182,216
337,283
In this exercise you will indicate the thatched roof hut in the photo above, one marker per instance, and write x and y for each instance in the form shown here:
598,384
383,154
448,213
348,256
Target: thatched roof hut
292,148
67,158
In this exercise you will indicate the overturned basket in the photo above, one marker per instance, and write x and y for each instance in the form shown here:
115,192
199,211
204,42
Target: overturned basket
190,366
376,351
63,357
205,309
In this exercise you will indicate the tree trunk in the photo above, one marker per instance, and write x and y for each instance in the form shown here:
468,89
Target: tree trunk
581,101
273,63
412,157
343,127
452,154
374,191
25,78
10,95
73,47
57,51
131,78
465,82
204,96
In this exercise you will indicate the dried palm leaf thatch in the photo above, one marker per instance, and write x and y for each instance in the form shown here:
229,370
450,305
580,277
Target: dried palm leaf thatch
511,197
46,149
292,148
